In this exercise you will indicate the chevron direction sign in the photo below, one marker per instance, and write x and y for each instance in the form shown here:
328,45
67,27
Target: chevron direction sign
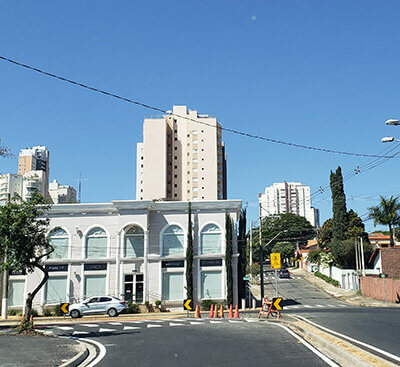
188,305
64,307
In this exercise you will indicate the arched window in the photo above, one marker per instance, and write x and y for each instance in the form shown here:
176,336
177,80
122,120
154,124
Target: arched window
96,243
211,239
134,242
172,242
59,240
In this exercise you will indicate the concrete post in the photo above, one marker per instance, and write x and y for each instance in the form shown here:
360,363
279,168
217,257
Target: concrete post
145,264
4,300
117,265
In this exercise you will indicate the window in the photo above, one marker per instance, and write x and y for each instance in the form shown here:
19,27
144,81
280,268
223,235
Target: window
59,240
211,284
134,242
210,238
172,286
95,285
56,290
16,292
172,241
96,243
175,148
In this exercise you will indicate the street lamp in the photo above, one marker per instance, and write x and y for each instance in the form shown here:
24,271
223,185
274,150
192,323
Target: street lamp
389,139
393,122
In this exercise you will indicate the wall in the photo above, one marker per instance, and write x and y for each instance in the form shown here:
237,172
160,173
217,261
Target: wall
385,289
346,277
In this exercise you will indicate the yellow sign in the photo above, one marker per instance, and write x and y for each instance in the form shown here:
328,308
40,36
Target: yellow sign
276,303
188,304
275,260
65,307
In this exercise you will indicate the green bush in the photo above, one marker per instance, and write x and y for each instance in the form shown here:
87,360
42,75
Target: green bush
157,302
133,308
57,310
12,312
47,312
327,279
34,313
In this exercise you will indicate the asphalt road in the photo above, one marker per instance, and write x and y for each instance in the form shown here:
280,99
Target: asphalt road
192,342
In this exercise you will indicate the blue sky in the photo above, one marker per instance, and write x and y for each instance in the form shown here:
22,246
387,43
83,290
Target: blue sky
318,73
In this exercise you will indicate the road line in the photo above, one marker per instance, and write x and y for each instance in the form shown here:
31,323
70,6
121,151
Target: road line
235,321
196,323
105,330
307,306
89,325
101,354
215,322
251,320
115,323
64,327
175,324
131,327
310,347
319,306
152,325
383,352
80,332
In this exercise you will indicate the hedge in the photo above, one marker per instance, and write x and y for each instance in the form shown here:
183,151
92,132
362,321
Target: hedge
327,279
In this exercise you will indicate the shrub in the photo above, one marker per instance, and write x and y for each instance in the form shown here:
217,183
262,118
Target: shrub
327,279
12,312
205,305
133,307
157,302
57,310
34,312
255,270
47,312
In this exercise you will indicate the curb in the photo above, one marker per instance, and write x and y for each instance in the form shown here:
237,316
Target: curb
79,358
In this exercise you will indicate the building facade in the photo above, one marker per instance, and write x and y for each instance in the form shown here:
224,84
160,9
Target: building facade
288,197
181,159
134,250
61,194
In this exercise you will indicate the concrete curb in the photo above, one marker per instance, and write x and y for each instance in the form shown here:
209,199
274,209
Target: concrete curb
79,358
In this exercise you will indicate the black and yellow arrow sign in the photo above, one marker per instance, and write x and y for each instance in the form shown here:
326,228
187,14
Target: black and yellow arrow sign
276,303
64,307
188,305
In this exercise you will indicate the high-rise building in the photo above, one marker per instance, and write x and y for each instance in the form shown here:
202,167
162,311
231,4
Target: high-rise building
35,159
61,194
181,159
288,197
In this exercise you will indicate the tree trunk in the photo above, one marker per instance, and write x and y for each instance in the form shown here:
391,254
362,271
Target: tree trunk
26,324
391,236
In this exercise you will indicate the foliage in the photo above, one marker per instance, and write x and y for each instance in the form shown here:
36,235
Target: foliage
57,310
339,220
344,255
286,249
205,304
386,213
327,279
255,269
228,258
314,256
189,256
325,233
326,259
133,307
23,240
292,228
12,312
242,261
157,302
47,312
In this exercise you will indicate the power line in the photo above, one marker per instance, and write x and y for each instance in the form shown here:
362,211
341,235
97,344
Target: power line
233,131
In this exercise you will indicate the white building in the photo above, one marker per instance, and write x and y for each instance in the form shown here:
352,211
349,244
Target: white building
136,248
181,159
288,197
61,194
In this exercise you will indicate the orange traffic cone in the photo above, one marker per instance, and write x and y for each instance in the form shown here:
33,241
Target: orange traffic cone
211,312
230,312
221,312
197,313
236,312
216,311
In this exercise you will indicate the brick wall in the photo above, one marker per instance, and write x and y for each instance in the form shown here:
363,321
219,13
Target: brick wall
391,261
384,289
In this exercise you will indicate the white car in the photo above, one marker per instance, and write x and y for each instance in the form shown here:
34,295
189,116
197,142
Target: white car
98,305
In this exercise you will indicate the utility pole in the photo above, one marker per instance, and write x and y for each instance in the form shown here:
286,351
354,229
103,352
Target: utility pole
261,253
362,258
251,244
4,301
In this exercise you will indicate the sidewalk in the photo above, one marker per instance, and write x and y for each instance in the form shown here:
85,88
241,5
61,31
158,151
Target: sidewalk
345,295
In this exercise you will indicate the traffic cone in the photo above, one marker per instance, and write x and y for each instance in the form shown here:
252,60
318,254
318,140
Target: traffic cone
230,316
236,312
211,312
216,311
197,313
221,312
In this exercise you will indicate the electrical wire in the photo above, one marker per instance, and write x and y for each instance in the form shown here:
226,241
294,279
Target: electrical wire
147,106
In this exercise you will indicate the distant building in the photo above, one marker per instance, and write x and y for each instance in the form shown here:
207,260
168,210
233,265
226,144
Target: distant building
61,194
10,184
36,159
289,197
180,159
378,239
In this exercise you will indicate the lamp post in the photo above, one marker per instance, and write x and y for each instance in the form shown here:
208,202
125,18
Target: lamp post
389,139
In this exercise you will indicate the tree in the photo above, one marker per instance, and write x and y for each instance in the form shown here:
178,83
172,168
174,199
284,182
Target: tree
4,151
189,257
228,259
314,256
325,233
286,249
242,261
292,228
386,213
23,242
344,255
339,219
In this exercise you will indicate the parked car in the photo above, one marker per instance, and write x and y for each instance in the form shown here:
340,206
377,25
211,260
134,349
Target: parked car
98,305
284,273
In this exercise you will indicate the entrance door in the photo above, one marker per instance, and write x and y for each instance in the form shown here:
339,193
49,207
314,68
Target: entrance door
139,288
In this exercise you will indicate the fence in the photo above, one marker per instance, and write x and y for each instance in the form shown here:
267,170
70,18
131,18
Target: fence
347,278
384,289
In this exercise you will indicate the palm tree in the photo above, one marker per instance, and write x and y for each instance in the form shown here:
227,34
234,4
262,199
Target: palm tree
386,213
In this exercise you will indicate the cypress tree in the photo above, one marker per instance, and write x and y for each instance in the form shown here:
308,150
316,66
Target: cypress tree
242,261
228,259
189,257
339,219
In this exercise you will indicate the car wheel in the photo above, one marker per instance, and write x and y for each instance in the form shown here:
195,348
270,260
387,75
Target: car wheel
75,314
112,312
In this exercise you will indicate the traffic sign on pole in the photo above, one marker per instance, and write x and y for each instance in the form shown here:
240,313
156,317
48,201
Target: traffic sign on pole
188,305
64,307
276,303
275,260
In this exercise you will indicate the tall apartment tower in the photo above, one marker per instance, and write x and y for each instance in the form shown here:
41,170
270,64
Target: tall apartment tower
288,197
35,159
181,159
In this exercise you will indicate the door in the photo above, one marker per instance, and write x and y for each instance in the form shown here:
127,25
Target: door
139,288
91,306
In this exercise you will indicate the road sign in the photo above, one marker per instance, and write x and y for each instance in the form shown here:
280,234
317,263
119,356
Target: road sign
188,305
246,278
64,307
276,303
275,260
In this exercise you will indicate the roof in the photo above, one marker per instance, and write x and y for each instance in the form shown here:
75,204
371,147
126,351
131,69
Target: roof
378,236
376,252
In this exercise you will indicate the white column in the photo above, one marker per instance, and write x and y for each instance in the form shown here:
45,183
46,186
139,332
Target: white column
145,275
117,265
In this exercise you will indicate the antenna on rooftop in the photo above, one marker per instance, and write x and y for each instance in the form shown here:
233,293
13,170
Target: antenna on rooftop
80,179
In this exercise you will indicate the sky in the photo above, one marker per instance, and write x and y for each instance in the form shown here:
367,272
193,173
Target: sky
311,72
